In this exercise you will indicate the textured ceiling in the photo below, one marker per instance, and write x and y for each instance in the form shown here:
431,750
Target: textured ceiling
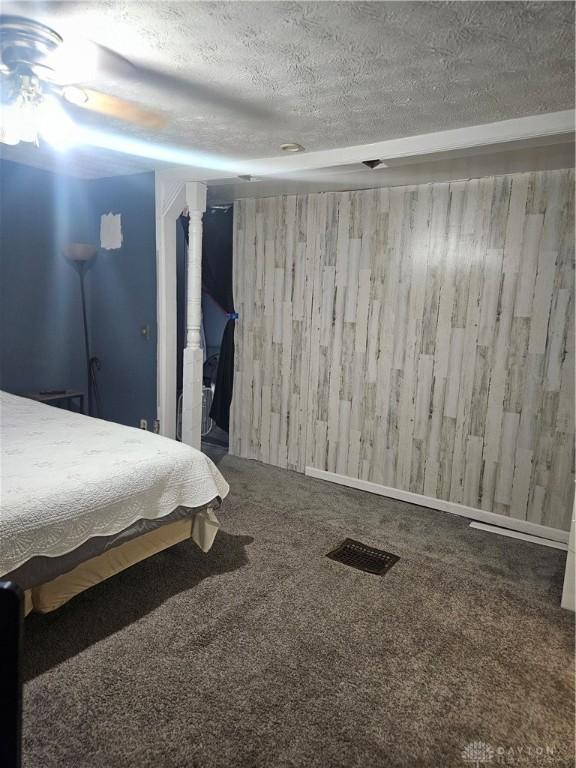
337,73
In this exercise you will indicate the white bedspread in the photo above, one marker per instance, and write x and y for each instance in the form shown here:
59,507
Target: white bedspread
65,478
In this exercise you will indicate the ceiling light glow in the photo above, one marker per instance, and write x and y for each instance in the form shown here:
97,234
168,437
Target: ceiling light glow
18,122
26,121
77,61
160,152
55,126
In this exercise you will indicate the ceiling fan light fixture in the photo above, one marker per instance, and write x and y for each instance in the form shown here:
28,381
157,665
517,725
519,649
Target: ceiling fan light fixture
18,122
10,124
292,147
28,117
55,126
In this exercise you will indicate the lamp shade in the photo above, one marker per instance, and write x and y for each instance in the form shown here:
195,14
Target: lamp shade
80,251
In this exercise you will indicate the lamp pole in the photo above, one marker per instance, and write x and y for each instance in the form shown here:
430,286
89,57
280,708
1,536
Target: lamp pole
80,267
80,255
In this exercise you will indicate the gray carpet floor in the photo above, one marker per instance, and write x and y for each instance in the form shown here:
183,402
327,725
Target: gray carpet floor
266,654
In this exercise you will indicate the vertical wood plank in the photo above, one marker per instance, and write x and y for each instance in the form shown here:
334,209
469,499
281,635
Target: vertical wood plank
420,337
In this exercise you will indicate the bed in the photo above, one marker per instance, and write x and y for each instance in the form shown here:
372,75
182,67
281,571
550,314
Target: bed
81,499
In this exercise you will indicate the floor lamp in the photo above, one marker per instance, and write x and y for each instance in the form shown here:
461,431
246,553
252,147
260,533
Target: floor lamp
80,256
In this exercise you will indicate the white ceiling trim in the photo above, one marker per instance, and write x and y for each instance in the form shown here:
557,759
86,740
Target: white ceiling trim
516,130
438,168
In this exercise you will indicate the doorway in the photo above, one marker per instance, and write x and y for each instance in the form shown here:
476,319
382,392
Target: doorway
218,320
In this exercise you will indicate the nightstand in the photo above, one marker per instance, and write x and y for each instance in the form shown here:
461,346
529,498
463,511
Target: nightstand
53,396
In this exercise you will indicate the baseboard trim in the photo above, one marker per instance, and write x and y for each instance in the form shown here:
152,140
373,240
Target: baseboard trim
518,535
501,521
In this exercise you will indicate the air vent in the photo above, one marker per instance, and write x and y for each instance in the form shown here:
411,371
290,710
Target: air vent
364,558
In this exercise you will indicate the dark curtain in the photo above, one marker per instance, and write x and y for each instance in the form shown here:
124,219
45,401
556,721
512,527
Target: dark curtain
217,282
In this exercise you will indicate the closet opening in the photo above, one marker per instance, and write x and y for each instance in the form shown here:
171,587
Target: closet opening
218,322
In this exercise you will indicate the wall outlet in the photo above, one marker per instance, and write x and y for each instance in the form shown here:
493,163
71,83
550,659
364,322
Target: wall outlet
143,424
156,427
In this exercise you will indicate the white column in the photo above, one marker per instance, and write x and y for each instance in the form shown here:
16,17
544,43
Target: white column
170,201
193,354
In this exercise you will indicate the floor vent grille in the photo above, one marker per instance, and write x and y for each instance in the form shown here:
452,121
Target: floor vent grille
358,555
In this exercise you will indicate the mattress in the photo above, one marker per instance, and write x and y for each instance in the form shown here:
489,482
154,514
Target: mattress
67,478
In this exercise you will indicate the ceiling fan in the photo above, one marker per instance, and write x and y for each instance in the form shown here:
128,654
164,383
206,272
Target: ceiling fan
38,93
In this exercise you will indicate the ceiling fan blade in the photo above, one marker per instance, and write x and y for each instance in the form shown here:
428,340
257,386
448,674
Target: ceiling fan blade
112,106
116,64
25,43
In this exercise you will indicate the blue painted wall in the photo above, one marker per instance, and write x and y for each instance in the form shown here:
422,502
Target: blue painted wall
41,344
121,289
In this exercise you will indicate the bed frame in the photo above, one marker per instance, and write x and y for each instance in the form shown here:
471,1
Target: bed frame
52,594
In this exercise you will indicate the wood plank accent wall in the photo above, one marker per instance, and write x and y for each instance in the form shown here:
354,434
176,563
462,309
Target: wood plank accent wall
418,337
274,242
